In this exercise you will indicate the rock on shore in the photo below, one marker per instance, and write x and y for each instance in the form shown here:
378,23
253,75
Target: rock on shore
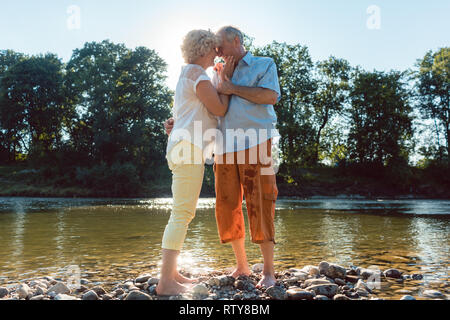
327,281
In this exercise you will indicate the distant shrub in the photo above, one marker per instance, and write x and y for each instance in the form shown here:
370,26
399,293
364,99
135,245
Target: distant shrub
116,180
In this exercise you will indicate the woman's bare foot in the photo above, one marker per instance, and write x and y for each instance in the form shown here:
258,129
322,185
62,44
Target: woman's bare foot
170,288
267,281
241,272
182,279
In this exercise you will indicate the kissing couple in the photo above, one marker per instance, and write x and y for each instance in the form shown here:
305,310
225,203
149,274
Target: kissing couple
240,97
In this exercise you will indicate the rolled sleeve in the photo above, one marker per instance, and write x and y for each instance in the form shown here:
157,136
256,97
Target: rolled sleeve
269,80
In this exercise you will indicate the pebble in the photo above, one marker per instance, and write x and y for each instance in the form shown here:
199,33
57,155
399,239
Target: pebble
90,295
23,291
302,276
362,292
152,281
292,280
361,285
321,297
244,285
48,279
3,292
82,289
328,290
417,276
152,290
250,296
142,278
257,268
200,289
340,297
323,282
405,291
393,273
300,294
369,273
433,294
119,291
62,296
323,267
226,281
351,278
276,293
59,287
335,271
40,290
214,282
311,270
99,290
313,282
137,295
35,283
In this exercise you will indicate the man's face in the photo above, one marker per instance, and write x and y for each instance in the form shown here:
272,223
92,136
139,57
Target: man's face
226,47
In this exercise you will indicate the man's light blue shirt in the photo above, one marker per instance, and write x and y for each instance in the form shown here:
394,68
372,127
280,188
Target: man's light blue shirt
249,124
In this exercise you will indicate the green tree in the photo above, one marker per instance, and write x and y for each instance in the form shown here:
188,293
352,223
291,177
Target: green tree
32,102
294,110
329,99
380,119
121,100
433,93
8,135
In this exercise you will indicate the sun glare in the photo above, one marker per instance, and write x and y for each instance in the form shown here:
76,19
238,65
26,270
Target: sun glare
167,43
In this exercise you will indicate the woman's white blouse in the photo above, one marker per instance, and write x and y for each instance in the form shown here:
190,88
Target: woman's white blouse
192,119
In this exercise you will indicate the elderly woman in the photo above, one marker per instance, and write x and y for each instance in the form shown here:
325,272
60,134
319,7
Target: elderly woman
196,102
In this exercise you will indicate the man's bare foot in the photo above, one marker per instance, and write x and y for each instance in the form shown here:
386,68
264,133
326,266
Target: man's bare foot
241,272
182,279
267,281
170,288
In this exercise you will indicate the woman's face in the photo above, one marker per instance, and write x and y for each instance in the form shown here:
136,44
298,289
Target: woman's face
211,57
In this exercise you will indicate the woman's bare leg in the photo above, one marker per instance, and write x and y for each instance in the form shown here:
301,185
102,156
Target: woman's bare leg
167,285
182,279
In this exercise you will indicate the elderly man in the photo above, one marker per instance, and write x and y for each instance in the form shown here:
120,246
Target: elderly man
241,166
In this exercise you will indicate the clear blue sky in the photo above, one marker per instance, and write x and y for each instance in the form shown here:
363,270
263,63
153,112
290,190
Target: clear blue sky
327,27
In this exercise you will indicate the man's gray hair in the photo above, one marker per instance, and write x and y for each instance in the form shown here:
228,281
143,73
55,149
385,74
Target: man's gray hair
231,33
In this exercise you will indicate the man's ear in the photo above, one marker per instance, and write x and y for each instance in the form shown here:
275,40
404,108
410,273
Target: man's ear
237,42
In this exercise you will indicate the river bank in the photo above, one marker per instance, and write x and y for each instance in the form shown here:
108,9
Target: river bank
317,183
327,281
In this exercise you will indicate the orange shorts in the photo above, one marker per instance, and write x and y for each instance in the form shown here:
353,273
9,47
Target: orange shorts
254,178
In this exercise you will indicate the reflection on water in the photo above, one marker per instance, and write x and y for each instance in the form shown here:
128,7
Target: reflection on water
116,239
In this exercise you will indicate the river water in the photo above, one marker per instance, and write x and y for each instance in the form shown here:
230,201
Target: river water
116,239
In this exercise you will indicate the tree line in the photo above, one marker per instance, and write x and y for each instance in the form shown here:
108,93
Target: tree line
97,119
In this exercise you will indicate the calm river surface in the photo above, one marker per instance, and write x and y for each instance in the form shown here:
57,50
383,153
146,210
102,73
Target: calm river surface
116,239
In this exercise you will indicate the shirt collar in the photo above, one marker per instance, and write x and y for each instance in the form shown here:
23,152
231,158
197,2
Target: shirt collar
248,58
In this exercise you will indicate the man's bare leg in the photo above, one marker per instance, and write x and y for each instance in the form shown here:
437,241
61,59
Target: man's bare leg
241,258
268,278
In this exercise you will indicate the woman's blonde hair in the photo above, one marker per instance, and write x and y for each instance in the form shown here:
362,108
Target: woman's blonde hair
197,43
